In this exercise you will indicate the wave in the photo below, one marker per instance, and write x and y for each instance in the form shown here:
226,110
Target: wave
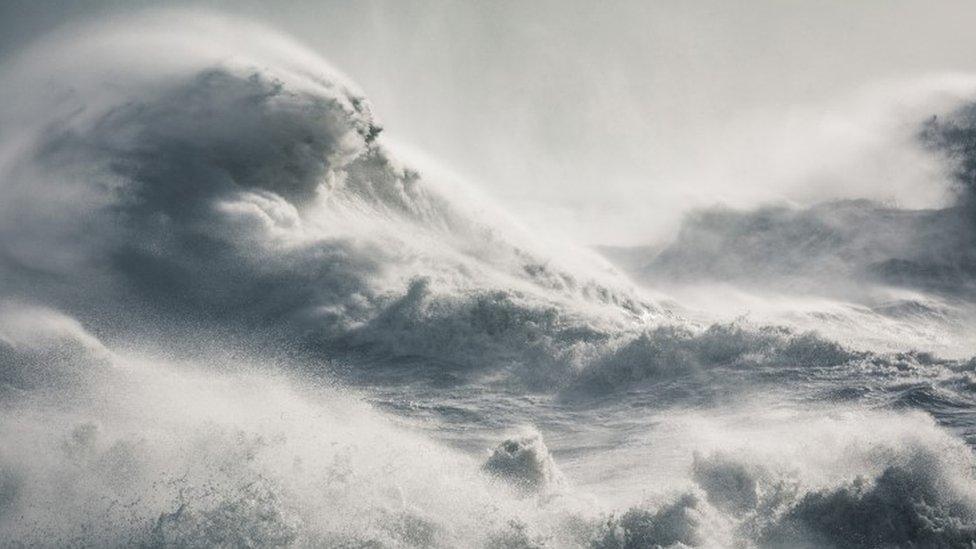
888,488
524,462
228,195
836,247
672,351
843,248
872,276
914,501
833,248
161,453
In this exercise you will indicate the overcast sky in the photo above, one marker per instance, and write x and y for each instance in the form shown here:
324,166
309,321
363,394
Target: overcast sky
605,120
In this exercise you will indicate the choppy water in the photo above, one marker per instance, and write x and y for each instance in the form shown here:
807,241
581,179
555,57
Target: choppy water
233,315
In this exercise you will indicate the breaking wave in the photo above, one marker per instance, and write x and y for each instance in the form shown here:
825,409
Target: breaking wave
149,451
232,314
235,195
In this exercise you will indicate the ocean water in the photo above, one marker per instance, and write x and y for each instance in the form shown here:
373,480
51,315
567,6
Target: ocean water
232,313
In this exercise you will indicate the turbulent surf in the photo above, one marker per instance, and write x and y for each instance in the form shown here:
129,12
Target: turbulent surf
233,312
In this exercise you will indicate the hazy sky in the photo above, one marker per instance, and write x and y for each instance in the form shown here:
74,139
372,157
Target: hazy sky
605,120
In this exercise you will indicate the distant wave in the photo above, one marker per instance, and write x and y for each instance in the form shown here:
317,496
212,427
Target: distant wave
852,269
836,247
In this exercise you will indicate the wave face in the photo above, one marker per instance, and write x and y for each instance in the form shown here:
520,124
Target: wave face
241,197
232,314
